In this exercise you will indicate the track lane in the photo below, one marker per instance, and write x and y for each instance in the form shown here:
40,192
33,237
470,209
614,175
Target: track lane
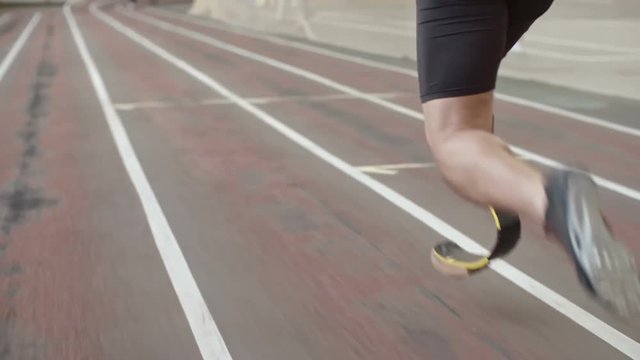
518,121
284,263
588,148
404,140
165,37
581,111
285,249
78,277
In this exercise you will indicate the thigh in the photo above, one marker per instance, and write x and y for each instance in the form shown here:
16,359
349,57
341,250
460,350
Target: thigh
460,44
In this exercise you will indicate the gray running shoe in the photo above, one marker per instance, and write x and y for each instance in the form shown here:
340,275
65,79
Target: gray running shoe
606,269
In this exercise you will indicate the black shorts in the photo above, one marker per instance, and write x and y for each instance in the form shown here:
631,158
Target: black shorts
460,43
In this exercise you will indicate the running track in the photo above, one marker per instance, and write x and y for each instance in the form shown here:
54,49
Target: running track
172,190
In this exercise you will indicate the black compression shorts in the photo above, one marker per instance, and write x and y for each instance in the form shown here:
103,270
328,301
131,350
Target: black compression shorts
460,43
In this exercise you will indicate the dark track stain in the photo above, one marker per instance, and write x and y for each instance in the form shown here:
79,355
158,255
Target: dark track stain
12,290
279,87
19,200
420,328
22,197
414,152
505,355
8,351
433,296
13,269
215,57
432,344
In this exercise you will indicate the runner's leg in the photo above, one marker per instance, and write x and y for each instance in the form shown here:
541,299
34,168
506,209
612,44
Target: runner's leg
460,46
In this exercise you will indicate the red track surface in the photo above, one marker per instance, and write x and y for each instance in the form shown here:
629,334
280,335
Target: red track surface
294,259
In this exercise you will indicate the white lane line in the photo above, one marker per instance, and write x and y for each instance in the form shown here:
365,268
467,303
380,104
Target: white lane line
622,56
365,19
253,100
366,27
281,41
205,331
570,114
145,105
393,169
588,321
376,170
269,61
566,114
607,184
18,45
528,50
393,29
582,44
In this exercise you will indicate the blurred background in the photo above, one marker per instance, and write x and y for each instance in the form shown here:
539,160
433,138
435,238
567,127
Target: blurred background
589,45
292,257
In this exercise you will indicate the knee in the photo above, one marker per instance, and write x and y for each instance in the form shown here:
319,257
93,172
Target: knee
455,128
448,121
449,143
439,133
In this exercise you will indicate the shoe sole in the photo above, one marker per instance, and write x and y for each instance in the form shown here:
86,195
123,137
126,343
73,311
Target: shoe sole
611,267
